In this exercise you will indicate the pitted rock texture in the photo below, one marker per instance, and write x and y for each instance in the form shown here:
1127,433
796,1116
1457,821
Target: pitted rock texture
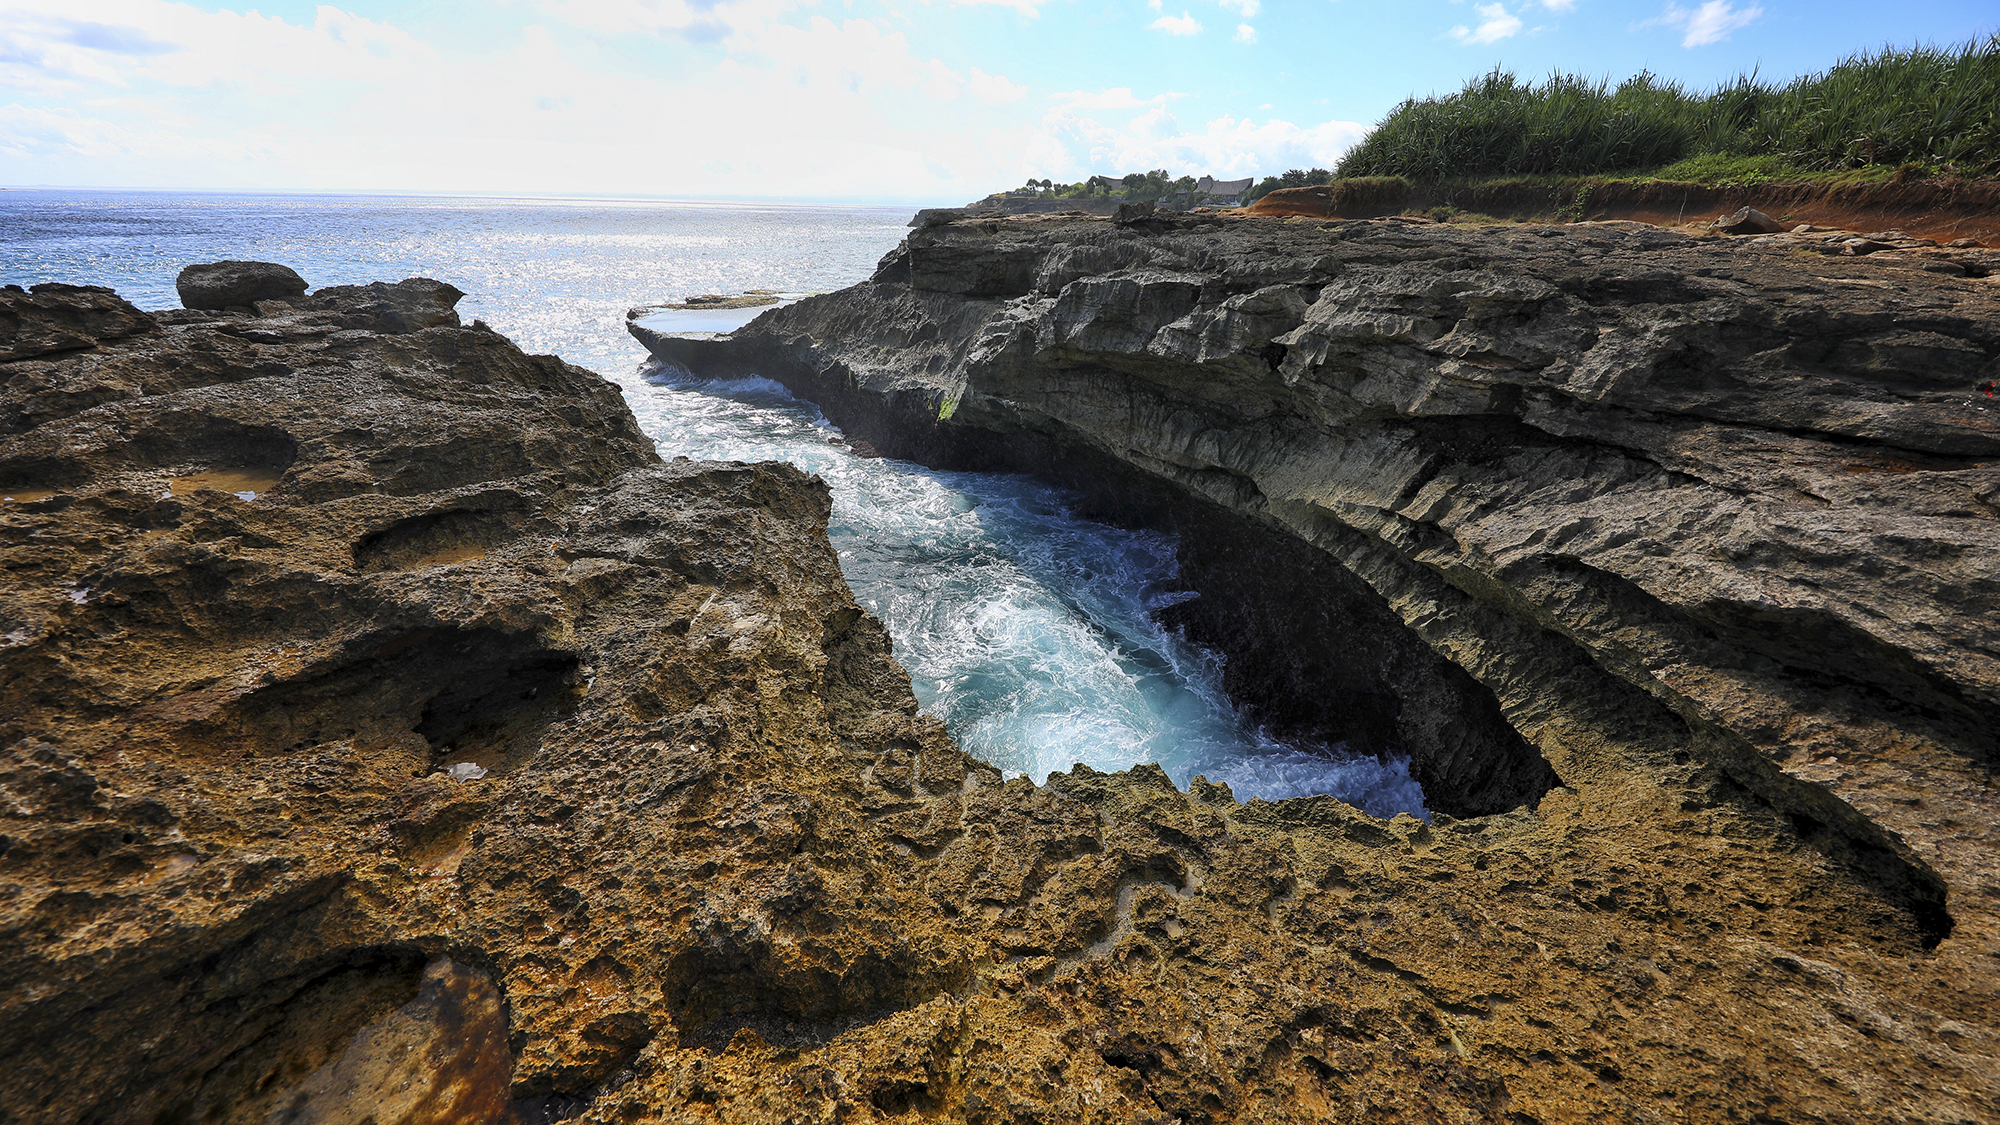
1706,524
222,285
268,579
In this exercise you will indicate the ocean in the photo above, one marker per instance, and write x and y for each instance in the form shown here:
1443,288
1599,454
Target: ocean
1026,628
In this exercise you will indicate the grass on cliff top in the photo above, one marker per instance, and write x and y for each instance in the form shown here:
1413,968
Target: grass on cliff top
1935,108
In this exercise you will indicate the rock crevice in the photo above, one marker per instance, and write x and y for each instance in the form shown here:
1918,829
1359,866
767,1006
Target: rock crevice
415,746
1677,511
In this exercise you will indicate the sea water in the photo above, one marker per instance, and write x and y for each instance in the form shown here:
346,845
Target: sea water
1029,630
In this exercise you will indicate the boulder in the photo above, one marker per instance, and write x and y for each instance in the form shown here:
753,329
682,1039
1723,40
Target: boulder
410,305
1130,213
226,285
52,317
1749,220
937,216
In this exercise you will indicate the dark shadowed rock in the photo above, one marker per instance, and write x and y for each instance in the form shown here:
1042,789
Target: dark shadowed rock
933,216
1749,220
53,317
230,285
409,305
1130,213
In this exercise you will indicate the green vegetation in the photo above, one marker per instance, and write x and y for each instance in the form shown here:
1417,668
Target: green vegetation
1291,179
1156,184
1930,110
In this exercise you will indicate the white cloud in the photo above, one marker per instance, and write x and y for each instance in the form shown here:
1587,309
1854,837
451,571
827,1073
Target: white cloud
1076,139
1116,97
1559,5
1182,24
1498,24
779,98
1713,22
696,21
1245,33
1248,9
1025,7
993,88
158,93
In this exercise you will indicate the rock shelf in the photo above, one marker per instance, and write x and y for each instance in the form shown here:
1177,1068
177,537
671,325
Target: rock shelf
1701,532
480,767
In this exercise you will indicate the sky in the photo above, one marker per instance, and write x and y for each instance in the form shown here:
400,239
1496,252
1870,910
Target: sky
907,101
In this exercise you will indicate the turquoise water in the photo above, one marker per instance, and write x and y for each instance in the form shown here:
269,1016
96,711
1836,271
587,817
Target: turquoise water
1028,630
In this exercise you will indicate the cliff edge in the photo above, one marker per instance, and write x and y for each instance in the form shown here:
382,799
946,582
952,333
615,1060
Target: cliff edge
386,734
1692,540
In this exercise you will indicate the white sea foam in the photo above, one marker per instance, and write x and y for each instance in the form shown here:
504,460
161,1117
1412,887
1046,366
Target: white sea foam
1029,630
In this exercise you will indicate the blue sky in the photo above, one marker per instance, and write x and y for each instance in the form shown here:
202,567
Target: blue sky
865,101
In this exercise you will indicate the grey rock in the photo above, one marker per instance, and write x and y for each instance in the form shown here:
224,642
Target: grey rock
410,305
226,285
51,318
1626,481
1748,220
936,216
1129,213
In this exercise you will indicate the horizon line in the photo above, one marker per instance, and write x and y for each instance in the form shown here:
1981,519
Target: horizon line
552,196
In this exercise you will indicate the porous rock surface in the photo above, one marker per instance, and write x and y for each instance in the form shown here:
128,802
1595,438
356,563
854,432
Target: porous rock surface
1685,551
223,285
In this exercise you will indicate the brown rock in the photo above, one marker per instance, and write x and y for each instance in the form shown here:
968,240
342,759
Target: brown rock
1696,517
1547,488
53,318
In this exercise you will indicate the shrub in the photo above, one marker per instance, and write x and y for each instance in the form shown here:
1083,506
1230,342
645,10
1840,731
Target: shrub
1936,107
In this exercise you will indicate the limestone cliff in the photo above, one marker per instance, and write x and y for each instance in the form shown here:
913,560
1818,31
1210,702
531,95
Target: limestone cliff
385,734
1703,533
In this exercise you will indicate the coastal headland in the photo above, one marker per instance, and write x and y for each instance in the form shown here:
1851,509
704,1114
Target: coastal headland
1691,539
389,734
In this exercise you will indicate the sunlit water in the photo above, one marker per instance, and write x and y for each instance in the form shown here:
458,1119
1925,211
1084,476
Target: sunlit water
1029,631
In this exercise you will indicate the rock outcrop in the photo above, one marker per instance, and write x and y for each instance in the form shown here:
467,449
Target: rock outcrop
224,285
1703,533
385,733
1747,220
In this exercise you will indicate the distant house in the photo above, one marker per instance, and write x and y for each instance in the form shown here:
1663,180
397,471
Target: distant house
1227,192
1209,191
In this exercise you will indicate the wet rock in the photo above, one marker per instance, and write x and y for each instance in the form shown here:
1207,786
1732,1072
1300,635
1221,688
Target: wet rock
223,285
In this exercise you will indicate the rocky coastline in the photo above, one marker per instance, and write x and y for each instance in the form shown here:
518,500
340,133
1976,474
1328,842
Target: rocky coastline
387,734
1596,516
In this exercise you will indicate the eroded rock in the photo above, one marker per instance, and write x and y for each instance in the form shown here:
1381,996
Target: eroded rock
225,285
719,868
1664,511
1747,220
